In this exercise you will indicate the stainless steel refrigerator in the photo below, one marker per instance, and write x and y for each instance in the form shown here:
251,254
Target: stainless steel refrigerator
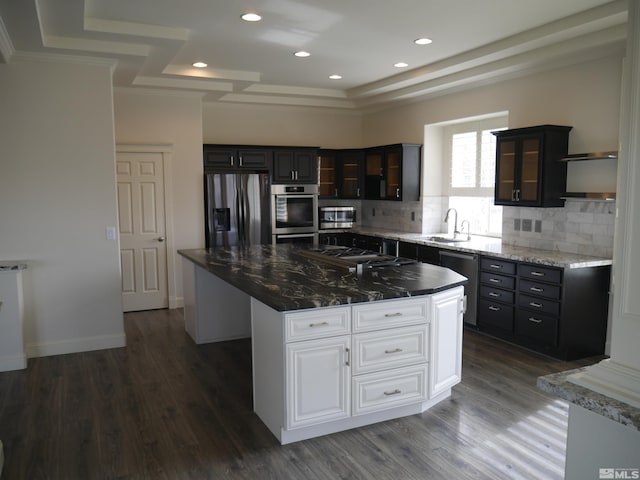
237,209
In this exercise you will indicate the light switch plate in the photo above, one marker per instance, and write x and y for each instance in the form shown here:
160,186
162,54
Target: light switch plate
110,233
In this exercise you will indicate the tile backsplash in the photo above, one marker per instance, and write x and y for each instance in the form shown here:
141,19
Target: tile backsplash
581,226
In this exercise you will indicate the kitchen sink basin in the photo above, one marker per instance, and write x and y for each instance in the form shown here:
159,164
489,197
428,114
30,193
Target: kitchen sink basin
447,238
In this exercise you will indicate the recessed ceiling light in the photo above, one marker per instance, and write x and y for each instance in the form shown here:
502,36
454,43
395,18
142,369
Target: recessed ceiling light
422,41
302,54
200,65
335,77
400,65
251,17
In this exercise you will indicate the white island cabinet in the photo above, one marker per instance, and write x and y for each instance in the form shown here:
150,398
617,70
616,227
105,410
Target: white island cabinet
323,370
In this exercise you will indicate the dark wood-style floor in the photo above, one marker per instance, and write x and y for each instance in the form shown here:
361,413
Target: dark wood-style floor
165,408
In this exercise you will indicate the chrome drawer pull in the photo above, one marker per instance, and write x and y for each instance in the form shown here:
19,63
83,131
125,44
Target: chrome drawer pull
397,314
321,324
535,320
393,392
494,280
494,294
534,304
495,309
537,274
536,289
493,265
348,355
395,350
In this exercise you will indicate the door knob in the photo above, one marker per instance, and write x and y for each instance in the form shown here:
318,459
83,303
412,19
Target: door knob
161,239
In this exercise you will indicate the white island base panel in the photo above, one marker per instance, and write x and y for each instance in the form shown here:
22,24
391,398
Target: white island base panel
214,311
325,370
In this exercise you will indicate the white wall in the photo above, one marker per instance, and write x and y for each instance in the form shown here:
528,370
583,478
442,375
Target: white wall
585,96
176,119
57,195
265,125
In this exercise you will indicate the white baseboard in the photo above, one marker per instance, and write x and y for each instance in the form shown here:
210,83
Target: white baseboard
176,302
76,345
13,362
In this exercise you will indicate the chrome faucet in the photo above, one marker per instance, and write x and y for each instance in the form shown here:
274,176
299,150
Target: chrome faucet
455,221
468,228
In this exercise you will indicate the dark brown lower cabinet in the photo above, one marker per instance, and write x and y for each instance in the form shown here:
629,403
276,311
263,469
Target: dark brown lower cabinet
561,312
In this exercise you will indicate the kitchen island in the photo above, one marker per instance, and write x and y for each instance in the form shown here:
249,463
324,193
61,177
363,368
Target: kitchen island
332,349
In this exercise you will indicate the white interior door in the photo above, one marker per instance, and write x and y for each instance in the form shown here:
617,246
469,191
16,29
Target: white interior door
143,249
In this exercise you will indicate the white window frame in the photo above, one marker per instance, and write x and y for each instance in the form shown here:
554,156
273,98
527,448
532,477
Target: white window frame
448,131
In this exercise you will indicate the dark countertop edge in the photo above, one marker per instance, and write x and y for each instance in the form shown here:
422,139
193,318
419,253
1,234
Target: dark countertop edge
12,265
557,384
284,307
522,254
351,300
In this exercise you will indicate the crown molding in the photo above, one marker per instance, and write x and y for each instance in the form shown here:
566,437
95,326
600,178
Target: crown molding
62,58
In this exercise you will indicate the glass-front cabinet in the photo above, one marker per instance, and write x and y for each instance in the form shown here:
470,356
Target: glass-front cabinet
341,173
528,167
392,172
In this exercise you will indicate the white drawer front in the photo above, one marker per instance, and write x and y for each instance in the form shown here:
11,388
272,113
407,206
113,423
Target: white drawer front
386,349
308,324
392,313
391,388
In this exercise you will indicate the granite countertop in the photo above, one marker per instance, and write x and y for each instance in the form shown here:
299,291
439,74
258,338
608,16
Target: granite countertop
283,278
494,247
12,265
558,384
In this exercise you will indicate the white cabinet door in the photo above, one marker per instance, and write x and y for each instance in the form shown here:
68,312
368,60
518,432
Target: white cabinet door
445,356
318,381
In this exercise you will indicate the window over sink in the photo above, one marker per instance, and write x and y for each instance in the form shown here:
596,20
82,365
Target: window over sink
469,157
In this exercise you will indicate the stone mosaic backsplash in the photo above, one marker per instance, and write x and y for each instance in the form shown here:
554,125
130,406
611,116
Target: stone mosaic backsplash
581,226
584,227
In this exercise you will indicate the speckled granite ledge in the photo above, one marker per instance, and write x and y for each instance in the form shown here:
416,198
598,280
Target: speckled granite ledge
495,247
283,278
12,265
558,384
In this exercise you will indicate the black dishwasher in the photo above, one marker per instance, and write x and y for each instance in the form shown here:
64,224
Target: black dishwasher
467,265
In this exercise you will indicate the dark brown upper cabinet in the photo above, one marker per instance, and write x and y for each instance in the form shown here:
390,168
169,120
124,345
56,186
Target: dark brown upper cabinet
528,167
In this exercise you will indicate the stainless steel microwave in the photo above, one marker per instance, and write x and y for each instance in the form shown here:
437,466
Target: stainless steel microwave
336,217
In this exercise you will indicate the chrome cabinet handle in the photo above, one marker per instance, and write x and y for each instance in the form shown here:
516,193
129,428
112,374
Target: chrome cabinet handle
395,350
335,192
494,309
535,320
321,324
536,289
535,304
497,267
494,294
397,314
348,352
240,160
397,193
358,192
393,392
231,158
537,274
161,239
494,280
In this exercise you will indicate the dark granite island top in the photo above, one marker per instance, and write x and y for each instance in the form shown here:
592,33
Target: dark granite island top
283,278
